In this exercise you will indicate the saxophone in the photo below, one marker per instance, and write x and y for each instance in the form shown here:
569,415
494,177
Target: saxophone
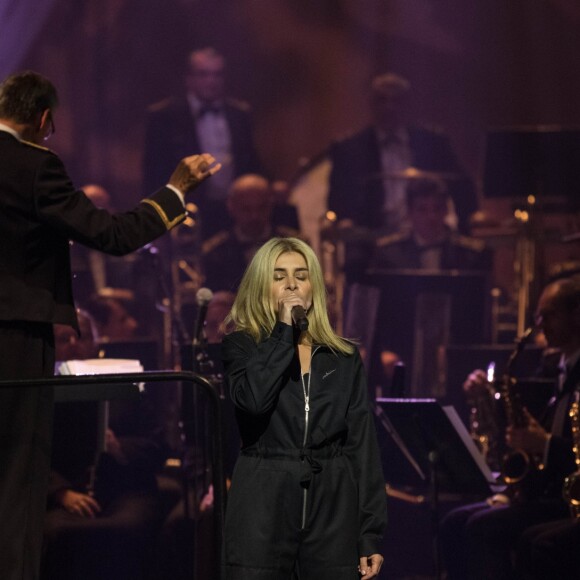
483,422
571,488
517,463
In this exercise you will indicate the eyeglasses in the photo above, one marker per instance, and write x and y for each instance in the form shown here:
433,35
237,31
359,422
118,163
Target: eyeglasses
51,130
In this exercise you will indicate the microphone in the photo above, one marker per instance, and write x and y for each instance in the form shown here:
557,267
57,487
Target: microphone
299,318
203,298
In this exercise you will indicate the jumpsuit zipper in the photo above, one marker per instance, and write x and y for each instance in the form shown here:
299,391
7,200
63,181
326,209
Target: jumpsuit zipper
306,392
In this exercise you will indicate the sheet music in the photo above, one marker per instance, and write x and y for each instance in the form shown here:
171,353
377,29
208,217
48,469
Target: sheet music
100,366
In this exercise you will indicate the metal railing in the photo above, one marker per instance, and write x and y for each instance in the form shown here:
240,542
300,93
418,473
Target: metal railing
156,377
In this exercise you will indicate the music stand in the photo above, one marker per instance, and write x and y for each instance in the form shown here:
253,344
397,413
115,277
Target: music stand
543,161
421,312
439,445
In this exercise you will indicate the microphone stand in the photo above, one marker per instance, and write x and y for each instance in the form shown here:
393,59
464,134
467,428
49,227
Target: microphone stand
194,436
175,335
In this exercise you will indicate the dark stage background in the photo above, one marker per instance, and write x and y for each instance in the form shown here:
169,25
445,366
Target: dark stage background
304,66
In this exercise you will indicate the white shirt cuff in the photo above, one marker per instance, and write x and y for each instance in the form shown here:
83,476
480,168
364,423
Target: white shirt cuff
179,194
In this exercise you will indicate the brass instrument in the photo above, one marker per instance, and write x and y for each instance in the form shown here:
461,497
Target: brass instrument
517,463
332,252
483,422
186,280
571,488
526,259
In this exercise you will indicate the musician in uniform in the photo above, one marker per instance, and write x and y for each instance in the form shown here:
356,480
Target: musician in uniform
361,185
367,181
225,256
478,540
203,119
428,242
40,211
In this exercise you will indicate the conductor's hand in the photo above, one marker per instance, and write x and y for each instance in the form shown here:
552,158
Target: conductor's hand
191,171
77,503
369,566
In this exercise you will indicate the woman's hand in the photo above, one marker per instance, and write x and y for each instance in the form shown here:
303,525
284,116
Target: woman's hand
285,305
369,566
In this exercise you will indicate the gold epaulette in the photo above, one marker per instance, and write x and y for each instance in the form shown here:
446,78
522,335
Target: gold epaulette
473,244
35,145
391,239
213,242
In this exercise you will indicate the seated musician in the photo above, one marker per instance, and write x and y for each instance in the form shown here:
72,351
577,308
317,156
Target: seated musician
250,206
478,540
425,245
428,243
102,514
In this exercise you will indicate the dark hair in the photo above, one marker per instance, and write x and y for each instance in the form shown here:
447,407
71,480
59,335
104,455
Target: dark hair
568,297
25,95
426,187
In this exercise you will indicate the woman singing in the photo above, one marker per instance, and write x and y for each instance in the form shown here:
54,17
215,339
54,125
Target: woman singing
307,498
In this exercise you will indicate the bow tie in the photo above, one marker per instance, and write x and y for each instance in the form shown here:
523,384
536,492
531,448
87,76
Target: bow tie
209,109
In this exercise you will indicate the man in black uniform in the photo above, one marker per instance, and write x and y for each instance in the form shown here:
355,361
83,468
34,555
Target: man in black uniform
428,243
479,540
40,211
362,184
226,255
204,119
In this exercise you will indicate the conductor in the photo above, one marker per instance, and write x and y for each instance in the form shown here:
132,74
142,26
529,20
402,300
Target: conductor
40,211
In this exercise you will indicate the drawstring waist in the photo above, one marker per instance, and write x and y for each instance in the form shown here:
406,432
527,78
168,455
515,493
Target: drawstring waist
310,458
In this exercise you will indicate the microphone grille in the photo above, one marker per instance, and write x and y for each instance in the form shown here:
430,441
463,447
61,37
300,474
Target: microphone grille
203,296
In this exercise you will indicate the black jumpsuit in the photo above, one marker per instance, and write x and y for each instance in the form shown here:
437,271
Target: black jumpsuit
307,493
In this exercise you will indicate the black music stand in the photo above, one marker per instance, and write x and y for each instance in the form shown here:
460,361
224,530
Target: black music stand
419,314
435,442
543,161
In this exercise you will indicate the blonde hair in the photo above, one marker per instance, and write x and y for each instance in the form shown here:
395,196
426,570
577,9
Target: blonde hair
253,311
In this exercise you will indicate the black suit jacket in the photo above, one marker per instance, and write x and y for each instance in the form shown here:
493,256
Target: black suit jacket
560,454
356,187
171,135
40,211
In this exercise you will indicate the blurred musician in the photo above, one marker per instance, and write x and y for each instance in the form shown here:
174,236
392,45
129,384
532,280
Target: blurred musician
478,540
428,242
